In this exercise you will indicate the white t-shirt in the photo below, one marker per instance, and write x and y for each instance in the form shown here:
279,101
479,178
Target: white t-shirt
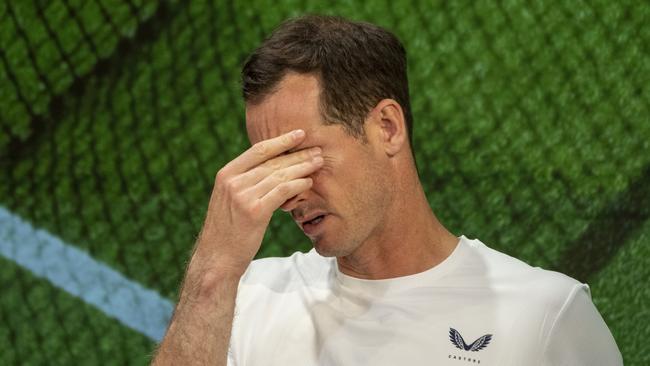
478,306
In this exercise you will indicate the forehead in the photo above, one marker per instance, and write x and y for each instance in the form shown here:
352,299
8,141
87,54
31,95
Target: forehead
293,105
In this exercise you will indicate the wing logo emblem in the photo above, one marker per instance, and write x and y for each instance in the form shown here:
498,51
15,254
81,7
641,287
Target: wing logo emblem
458,341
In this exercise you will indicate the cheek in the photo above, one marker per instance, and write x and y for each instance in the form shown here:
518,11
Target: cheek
346,185
326,180
335,181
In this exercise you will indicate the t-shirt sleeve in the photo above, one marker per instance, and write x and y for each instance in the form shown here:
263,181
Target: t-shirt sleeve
235,332
579,335
231,350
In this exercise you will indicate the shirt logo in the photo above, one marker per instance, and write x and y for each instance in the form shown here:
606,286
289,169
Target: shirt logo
458,341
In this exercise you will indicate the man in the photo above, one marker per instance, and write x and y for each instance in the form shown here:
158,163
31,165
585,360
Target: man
328,115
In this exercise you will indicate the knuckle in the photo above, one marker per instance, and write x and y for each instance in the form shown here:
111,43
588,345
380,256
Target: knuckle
273,165
287,140
284,189
261,148
231,185
240,201
221,175
255,209
281,175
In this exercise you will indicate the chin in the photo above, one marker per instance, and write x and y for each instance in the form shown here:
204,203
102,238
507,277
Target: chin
328,249
323,250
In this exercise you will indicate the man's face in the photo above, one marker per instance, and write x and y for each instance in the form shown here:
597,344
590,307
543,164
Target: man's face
351,186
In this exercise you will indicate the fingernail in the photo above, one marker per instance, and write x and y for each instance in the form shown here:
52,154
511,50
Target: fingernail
318,160
298,133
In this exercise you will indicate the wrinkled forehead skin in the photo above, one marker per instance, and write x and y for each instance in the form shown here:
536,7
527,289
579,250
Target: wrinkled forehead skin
293,105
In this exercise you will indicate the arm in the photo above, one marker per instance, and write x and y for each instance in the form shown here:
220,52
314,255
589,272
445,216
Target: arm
199,333
246,193
579,335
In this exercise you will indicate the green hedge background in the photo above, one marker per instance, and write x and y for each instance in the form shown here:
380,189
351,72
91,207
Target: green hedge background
532,134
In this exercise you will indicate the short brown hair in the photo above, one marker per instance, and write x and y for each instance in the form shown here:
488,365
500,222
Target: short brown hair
358,64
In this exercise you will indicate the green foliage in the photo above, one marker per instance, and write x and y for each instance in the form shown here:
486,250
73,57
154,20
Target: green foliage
620,294
45,46
531,121
42,325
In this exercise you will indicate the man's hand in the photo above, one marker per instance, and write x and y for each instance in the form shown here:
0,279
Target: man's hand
246,193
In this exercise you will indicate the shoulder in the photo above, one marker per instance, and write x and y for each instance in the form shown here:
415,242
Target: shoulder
507,272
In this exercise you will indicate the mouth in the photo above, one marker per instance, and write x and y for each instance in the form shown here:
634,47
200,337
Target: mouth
311,227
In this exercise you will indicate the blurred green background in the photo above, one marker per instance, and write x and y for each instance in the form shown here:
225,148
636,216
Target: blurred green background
531,132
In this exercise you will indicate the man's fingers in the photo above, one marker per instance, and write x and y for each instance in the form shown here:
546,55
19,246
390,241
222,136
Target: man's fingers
264,150
284,175
282,192
257,174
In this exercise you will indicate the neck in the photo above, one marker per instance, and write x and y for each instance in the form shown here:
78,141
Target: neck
411,241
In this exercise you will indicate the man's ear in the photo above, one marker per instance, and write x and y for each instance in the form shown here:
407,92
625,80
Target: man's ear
390,126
